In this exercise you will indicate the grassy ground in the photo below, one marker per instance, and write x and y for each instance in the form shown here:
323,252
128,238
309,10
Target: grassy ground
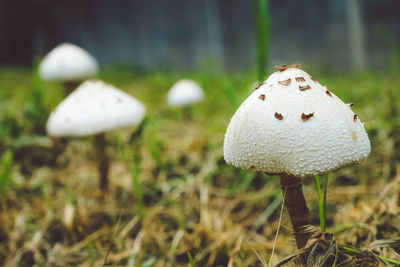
185,198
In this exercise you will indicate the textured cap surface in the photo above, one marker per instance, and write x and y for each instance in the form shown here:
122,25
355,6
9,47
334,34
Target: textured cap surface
292,124
184,92
94,107
67,62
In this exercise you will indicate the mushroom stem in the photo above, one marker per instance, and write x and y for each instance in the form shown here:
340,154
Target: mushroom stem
58,145
102,160
69,87
297,207
187,113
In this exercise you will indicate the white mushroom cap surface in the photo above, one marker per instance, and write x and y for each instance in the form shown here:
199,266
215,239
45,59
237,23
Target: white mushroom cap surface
67,62
94,107
296,127
183,93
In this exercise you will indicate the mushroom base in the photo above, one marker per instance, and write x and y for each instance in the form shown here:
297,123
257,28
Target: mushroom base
297,207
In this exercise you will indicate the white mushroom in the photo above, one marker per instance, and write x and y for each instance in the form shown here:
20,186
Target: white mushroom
93,109
293,126
67,63
284,128
183,93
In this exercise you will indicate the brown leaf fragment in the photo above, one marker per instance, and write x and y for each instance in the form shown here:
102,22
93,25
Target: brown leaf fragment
328,93
355,117
285,67
278,116
258,86
300,79
303,88
262,97
306,117
350,105
285,82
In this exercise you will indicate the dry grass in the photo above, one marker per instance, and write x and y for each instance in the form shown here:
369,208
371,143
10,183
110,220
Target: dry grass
55,214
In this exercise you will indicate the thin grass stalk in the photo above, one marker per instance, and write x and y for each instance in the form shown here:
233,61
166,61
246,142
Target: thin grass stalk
138,192
190,259
6,179
320,203
357,252
326,177
262,35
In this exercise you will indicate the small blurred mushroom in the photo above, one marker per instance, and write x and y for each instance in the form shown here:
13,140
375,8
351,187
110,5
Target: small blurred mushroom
68,64
93,109
185,93
316,136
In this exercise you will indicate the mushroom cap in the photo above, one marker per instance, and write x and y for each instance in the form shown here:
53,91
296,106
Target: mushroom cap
94,107
184,92
67,62
296,127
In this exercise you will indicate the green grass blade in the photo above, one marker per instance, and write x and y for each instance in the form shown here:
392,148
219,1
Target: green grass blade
190,259
320,203
6,163
137,190
326,176
262,34
356,252
391,261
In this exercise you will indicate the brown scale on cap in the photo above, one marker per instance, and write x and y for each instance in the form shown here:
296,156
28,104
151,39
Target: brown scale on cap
300,79
262,97
278,116
306,117
313,79
303,88
355,117
285,82
328,93
350,105
285,67
258,86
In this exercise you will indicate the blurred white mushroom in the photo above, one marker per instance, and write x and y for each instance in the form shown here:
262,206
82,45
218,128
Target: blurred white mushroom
69,64
93,109
184,93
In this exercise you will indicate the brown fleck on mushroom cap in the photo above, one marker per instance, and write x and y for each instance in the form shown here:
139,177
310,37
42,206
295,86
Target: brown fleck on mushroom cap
299,144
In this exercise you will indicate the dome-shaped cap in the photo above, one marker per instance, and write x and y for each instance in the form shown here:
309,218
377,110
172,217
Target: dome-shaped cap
94,107
67,62
292,124
184,92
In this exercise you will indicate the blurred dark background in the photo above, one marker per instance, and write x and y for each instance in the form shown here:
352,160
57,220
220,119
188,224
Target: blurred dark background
186,34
